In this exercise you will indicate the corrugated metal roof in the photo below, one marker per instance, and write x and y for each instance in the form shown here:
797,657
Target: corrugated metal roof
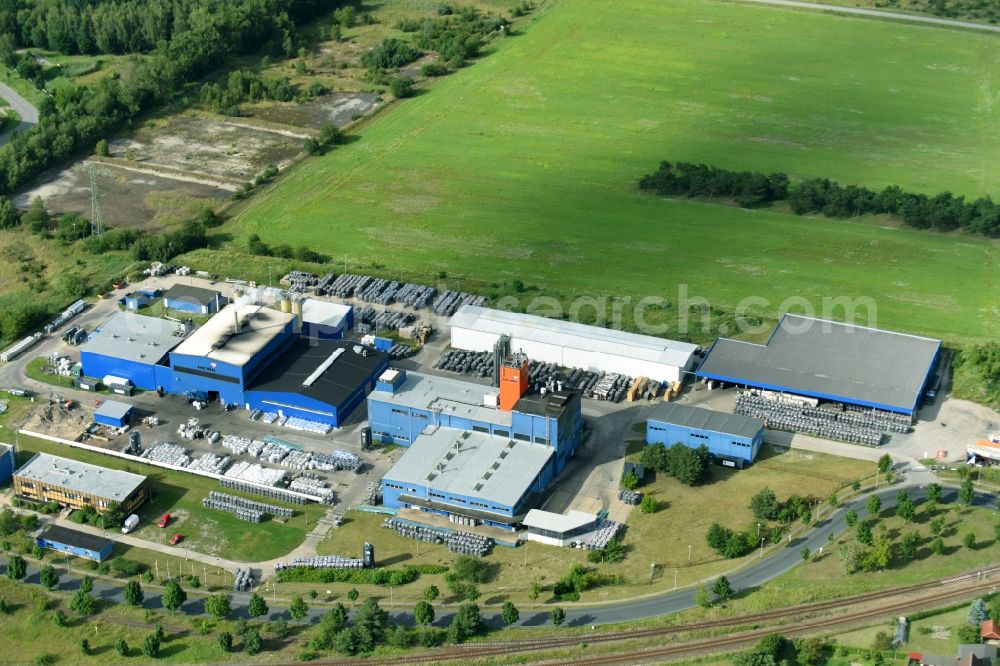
186,292
113,409
68,474
706,419
135,337
574,335
443,394
471,464
326,313
830,360
216,339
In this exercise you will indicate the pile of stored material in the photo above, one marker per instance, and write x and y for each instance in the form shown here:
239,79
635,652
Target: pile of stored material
65,316
313,485
244,509
450,301
254,473
24,345
852,427
338,460
610,387
373,494
243,580
606,531
211,463
368,318
321,562
463,362
273,493
378,290
299,280
170,454
457,542
630,497
297,423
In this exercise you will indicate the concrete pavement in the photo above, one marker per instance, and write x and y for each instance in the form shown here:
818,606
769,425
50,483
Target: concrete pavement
28,113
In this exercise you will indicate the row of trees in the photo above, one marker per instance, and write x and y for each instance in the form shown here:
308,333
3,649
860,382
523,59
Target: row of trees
765,506
201,34
688,465
942,212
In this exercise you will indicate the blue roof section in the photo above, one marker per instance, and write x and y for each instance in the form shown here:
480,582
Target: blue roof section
831,361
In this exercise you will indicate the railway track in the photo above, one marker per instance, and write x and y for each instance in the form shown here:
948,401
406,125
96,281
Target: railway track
940,590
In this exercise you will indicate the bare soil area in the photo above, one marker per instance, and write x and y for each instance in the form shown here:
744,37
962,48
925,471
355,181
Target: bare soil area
127,197
336,108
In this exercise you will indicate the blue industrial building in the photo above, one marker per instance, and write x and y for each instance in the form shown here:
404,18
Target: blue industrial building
221,357
140,298
132,347
458,428
7,463
831,361
731,438
194,300
494,480
317,380
325,320
113,413
74,542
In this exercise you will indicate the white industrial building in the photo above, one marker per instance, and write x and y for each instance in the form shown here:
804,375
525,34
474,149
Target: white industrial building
572,345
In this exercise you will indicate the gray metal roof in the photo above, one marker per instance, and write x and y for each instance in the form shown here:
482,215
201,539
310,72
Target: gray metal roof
220,340
135,337
327,313
56,472
471,464
113,409
443,394
192,294
829,360
557,522
706,419
573,335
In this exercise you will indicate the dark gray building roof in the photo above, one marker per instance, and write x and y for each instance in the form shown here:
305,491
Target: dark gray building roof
831,361
186,292
706,419
339,381
75,538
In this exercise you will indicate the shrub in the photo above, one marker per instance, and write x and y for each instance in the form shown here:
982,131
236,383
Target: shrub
401,86
433,69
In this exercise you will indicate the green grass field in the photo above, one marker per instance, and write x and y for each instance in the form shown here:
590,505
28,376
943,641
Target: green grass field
523,166
205,530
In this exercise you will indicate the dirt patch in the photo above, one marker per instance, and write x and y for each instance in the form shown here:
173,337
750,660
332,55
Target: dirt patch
224,151
128,198
337,108
57,420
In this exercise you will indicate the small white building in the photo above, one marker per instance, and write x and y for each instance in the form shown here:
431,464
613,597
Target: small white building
556,529
572,345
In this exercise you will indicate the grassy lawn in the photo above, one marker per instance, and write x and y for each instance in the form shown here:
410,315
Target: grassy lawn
205,530
546,139
937,634
723,500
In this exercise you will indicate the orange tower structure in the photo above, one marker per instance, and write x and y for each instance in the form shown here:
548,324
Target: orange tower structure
513,380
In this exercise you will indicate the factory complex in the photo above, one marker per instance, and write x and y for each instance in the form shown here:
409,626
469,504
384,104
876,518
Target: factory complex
248,355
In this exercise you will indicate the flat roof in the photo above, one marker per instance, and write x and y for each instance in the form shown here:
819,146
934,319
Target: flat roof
706,419
186,292
471,464
65,473
831,361
135,337
218,339
576,336
75,538
113,409
348,371
443,394
326,313
557,522
551,405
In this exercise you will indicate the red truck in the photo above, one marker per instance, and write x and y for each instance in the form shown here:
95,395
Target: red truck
164,520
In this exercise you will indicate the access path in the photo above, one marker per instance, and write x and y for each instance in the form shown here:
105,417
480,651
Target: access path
877,13
28,113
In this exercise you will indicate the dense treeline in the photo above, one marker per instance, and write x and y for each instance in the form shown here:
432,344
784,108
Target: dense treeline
687,465
76,117
981,364
943,212
137,26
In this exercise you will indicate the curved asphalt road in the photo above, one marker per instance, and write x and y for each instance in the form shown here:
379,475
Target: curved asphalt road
876,13
748,578
28,113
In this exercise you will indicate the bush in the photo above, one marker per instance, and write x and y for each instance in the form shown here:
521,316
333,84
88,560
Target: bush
401,86
433,69
379,576
649,504
390,54
126,567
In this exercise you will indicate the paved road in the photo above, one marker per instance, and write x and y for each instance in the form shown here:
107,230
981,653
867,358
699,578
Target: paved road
28,113
876,13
